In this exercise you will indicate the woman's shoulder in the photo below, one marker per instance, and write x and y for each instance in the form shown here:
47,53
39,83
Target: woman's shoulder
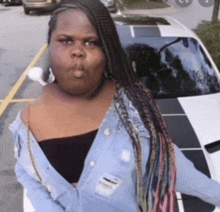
33,106
30,111
21,120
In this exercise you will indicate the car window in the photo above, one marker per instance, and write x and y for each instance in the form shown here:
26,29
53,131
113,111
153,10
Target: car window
172,66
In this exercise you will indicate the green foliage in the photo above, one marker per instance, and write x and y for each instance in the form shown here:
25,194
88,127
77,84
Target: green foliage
148,4
130,2
209,33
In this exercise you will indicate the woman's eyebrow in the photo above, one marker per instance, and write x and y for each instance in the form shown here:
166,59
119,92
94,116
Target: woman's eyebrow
87,36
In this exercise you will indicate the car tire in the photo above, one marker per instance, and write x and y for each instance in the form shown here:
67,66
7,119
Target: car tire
26,11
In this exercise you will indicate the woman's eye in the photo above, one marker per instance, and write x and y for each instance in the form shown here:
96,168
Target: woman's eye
91,43
66,41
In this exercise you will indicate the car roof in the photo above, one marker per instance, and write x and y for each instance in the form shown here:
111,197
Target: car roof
163,26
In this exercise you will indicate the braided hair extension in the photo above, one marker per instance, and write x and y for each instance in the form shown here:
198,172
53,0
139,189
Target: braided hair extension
158,196
161,173
133,132
161,163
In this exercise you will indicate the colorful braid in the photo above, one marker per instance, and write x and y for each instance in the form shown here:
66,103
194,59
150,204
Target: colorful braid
161,167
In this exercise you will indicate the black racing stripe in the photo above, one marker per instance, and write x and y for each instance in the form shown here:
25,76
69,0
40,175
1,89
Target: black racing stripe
146,31
198,158
184,136
179,127
194,204
170,106
182,132
191,203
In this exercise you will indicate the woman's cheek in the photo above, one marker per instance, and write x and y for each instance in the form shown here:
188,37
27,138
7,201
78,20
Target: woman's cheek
58,59
99,62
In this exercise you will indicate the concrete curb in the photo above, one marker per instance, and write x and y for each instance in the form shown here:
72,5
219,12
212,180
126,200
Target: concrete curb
151,12
169,10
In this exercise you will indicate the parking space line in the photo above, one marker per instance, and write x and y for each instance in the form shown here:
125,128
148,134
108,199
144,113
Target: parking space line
20,100
18,84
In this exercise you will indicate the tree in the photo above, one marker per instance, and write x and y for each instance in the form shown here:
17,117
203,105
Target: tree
215,11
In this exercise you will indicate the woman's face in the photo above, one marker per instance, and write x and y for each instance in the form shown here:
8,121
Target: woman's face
76,57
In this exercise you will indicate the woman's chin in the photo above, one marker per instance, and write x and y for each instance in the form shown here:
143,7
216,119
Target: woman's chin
81,88
78,91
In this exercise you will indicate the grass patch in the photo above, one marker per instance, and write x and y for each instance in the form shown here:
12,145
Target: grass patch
209,33
143,4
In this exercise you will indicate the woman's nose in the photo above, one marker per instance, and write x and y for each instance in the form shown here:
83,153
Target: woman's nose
77,51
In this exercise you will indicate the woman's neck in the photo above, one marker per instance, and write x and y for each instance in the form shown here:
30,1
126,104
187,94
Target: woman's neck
52,93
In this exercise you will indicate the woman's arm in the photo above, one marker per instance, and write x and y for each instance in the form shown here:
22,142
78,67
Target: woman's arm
193,182
36,192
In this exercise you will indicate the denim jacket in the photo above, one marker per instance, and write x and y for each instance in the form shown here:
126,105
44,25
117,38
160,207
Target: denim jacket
108,180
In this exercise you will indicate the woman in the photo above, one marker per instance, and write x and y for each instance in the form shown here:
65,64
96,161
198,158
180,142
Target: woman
95,140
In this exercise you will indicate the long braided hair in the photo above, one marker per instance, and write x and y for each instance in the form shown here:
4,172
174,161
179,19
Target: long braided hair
158,194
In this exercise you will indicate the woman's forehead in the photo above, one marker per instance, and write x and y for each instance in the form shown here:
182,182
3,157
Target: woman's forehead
74,19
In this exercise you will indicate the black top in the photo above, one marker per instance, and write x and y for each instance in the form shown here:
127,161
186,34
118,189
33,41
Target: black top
67,155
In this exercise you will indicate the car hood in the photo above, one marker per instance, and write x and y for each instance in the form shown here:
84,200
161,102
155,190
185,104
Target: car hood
194,125
203,113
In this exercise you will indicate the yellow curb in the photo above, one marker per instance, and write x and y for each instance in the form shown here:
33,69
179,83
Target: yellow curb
18,84
19,100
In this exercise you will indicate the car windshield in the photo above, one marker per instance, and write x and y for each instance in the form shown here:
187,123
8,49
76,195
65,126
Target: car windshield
172,66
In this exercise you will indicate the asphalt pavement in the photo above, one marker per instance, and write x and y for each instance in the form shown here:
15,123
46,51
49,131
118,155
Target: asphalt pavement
21,37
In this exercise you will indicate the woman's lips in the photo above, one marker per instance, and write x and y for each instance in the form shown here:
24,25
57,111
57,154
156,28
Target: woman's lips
78,70
77,73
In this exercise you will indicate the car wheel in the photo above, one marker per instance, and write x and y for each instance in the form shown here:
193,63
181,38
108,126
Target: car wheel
26,11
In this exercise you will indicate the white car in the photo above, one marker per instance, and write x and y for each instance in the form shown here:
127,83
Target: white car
172,61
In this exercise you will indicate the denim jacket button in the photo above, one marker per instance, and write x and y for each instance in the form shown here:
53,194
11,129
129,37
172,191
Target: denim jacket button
92,164
107,132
